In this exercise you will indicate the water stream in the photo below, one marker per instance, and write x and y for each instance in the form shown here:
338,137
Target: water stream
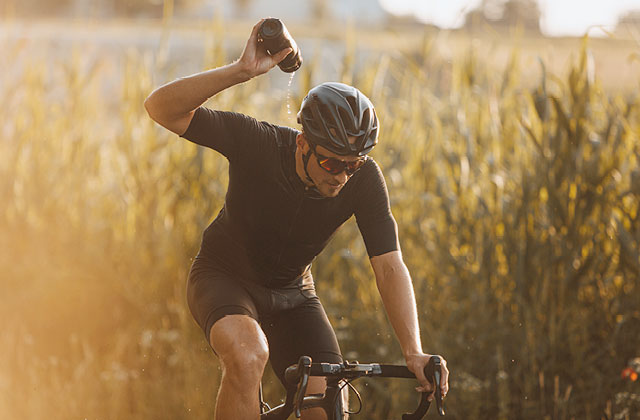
289,96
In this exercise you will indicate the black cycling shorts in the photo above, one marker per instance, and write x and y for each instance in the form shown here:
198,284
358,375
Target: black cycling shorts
292,318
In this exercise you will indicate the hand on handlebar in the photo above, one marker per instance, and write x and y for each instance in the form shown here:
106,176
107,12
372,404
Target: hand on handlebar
416,364
304,369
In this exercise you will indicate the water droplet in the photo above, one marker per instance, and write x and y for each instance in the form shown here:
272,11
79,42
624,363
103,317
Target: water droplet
289,94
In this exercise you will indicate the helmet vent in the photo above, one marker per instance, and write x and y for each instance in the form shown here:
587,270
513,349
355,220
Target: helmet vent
366,119
347,120
353,104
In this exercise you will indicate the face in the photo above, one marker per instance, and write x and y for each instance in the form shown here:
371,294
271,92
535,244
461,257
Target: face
328,184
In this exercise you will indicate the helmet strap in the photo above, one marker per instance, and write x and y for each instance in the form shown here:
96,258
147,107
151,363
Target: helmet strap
312,192
305,161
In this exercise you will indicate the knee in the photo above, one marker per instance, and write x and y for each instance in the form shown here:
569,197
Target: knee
241,346
246,360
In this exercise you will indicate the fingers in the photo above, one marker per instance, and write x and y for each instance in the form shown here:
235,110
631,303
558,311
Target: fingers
282,54
429,390
418,370
253,38
256,28
444,386
251,48
425,384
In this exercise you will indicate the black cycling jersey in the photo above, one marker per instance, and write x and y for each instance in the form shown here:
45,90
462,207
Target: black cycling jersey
271,227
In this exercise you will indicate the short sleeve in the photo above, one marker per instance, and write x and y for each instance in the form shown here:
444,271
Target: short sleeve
373,212
226,132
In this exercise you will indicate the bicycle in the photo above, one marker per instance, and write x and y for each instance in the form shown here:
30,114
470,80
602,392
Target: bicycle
341,375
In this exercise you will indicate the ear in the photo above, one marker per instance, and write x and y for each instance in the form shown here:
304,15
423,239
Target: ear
301,142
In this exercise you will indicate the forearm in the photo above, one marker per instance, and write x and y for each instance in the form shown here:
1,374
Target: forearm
396,290
171,104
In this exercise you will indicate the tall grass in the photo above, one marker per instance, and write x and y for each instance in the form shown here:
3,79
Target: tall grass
517,209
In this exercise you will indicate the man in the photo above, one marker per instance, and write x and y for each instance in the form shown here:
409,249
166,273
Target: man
250,288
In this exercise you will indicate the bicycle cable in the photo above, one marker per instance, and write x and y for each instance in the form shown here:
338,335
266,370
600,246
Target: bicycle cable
265,406
348,383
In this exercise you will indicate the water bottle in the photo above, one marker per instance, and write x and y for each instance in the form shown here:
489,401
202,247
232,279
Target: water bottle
274,37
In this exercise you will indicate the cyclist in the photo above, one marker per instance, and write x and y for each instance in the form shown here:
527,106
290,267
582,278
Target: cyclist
250,287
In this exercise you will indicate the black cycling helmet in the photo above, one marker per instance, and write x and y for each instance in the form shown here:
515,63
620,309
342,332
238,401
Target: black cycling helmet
332,112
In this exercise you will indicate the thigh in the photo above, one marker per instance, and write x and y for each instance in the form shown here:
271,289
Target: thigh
303,330
212,294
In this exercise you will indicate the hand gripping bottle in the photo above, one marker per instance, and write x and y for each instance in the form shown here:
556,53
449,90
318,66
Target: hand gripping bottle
274,37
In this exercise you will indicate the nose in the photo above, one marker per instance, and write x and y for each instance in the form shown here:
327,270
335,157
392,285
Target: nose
341,177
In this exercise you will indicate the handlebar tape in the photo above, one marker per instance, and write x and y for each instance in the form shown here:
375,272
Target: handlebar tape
392,371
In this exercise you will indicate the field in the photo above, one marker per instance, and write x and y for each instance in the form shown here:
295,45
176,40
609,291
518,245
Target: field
513,170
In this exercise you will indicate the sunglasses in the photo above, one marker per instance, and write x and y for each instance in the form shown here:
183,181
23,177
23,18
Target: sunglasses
336,166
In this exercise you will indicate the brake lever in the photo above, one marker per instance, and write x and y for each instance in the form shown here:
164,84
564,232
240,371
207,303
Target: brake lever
304,369
433,373
437,372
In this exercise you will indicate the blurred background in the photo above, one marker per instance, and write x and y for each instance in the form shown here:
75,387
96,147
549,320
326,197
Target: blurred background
510,148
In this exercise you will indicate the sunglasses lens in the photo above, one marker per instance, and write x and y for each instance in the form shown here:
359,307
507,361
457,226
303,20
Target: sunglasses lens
336,166
333,166
354,166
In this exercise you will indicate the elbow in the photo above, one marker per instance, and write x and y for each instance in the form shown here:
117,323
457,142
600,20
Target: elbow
167,110
149,107
388,268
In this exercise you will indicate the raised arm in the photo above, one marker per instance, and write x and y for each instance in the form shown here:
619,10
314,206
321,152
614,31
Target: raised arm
396,290
173,105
